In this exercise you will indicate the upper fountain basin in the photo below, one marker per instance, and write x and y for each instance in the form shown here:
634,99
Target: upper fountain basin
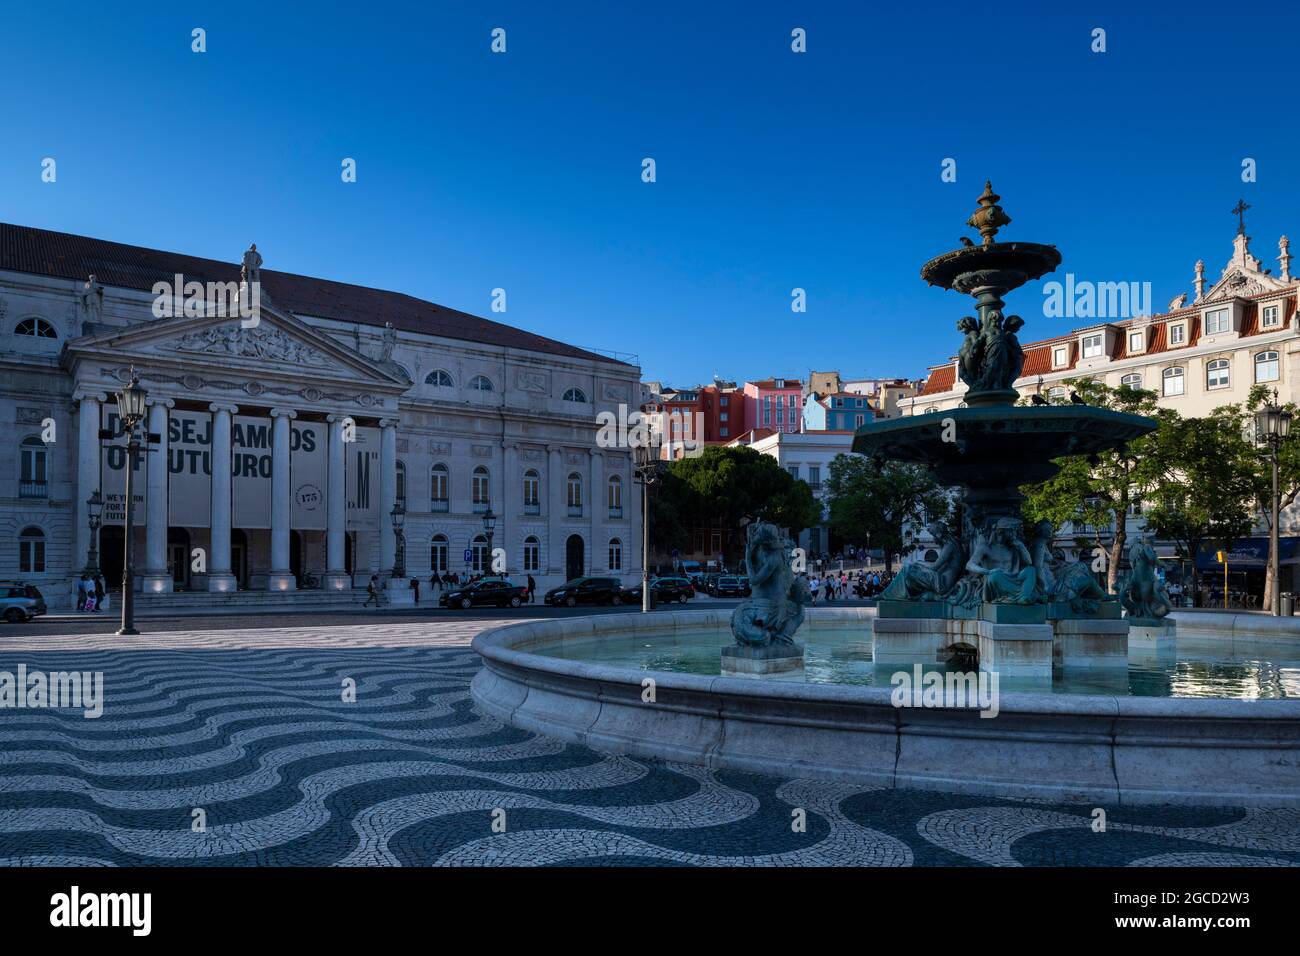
1004,265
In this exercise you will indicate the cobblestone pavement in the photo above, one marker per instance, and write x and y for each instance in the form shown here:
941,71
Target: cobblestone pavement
250,728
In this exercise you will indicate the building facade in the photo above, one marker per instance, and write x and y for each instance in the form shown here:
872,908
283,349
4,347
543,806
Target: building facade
774,403
283,444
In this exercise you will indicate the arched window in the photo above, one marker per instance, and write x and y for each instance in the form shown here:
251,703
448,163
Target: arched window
439,379
37,328
31,551
1173,381
615,495
438,497
575,495
481,489
576,395
1266,367
532,492
615,554
405,374
33,477
481,560
1132,380
401,484
438,554
1217,374
481,383
532,554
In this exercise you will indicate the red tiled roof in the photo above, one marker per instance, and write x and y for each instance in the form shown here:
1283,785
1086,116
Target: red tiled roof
66,256
941,379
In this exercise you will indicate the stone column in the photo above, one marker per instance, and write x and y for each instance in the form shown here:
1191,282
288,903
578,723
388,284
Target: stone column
556,510
281,577
598,504
157,577
507,497
336,537
88,421
220,577
387,495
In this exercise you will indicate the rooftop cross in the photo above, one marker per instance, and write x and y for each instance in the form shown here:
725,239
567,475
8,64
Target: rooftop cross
1240,211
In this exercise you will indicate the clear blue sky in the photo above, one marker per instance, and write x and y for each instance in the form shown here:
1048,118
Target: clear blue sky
775,170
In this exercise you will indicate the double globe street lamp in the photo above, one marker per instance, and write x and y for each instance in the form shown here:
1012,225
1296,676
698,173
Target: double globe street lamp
131,410
398,514
489,527
1272,426
646,460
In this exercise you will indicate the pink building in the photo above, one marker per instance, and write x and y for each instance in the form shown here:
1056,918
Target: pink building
775,403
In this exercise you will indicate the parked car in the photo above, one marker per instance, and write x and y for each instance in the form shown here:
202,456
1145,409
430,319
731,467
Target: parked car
585,591
20,602
710,583
664,590
490,592
684,583
732,586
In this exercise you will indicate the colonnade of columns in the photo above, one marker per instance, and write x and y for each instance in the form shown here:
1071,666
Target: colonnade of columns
157,576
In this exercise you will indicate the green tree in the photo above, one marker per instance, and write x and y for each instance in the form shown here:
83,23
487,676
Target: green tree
882,503
723,486
1206,489
1260,467
1099,490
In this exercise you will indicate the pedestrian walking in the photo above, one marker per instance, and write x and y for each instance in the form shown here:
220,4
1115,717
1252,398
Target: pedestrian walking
81,594
415,586
101,591
372,591
532,589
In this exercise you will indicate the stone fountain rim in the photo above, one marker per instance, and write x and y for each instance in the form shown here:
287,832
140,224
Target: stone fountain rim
498,645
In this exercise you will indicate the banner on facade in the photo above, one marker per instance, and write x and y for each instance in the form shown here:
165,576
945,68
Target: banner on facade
189,463
112,473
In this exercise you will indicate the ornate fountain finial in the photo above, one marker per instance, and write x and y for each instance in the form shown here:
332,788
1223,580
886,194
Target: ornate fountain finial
989,217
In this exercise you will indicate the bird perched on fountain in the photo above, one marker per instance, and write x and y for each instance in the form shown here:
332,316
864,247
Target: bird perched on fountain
965,241
1038,400
1075,399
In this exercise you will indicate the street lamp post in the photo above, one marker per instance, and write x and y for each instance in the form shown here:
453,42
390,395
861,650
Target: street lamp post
130,409
398,515
1272,426
647,472
489,526
95,511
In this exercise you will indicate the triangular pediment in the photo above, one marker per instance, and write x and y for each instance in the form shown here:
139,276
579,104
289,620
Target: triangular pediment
1243,276
278,344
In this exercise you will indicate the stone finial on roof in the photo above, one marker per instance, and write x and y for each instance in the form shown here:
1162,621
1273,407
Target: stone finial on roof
1284,257
1199,282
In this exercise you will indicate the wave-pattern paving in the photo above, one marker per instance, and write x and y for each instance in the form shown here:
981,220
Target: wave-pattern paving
250,733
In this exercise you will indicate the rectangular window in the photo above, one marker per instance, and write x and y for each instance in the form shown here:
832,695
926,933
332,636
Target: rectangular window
616,555
1137,341
1092,346
815,476
780,415
1177,334
1058,357
793,469
1216,322
860,420
1270,318
1173,381
532,556
1216,374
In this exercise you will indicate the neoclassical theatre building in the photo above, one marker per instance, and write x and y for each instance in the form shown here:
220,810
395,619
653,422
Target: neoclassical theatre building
285,441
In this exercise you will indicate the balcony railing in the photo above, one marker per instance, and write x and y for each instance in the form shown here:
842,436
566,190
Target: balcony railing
439,504
532,508
575,511
615,511
33,489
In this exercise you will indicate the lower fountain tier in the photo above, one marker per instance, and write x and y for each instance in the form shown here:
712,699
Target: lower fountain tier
997,448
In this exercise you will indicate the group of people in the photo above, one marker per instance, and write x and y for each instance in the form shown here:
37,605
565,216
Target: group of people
91,593
846,584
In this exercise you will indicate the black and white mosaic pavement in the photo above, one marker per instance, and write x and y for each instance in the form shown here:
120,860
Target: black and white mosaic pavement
251,728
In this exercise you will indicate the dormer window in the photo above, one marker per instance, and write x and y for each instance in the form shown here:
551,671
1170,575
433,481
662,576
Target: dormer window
1178,333
1060,356
1218,321
1270,316
1092,346
1137,342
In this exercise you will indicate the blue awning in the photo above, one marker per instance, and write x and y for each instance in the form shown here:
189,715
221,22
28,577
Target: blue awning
1246,553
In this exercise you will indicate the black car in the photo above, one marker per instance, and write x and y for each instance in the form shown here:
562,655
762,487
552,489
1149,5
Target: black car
732,586
586,591
491,593
664,590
